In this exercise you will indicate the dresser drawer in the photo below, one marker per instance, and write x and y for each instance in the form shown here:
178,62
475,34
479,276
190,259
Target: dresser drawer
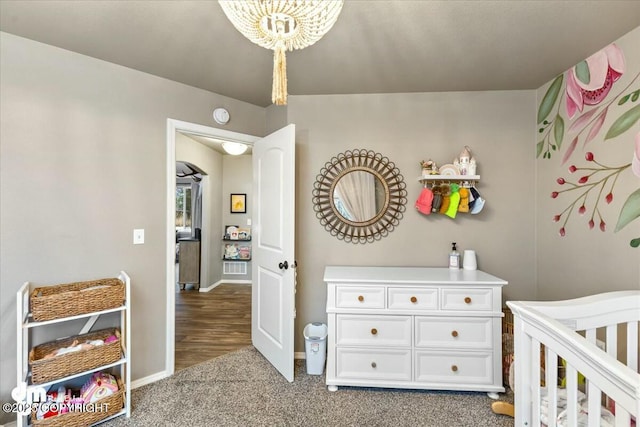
378,364
373,330
413,299
360,297
454,367
465,299
454,332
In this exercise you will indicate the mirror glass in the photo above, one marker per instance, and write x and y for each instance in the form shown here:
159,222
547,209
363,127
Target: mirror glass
359,196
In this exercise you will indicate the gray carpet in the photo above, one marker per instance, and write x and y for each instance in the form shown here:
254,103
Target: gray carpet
243,389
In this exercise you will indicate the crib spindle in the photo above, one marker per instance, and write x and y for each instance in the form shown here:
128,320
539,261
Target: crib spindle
612,341
632,345
594,399
522,346
623,419
572,396
535,382
551,382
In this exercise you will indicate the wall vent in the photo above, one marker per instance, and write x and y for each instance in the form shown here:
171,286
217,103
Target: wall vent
234,267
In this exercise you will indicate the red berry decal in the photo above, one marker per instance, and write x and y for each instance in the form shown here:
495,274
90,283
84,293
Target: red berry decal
609,198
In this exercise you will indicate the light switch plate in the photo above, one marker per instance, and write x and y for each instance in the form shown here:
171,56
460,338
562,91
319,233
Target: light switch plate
138,236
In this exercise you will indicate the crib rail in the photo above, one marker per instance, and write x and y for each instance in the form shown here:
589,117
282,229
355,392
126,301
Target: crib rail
547,331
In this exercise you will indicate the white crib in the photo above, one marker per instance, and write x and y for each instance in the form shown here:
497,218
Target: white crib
584,333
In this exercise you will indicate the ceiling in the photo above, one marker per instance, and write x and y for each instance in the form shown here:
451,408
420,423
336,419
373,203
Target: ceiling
375,46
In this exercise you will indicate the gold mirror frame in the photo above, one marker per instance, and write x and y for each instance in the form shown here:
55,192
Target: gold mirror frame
385,220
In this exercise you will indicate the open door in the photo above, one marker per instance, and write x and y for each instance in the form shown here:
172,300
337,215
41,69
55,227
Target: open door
273,270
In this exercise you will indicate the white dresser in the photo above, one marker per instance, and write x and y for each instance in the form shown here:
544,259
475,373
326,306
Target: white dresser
420,328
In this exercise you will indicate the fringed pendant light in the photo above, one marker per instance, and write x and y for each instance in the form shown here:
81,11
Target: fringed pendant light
282,25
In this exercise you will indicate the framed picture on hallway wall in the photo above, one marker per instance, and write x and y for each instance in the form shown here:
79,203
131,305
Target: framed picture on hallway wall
238,203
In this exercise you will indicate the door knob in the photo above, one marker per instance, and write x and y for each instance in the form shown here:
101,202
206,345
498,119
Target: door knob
283,265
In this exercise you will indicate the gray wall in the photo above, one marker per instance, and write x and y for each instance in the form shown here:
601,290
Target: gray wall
408,128
238,178
82,163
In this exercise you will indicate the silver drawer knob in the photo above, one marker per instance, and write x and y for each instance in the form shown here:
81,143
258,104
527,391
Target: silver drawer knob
373,364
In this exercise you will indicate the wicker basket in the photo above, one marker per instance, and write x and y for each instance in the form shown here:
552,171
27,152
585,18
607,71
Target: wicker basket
93,412
507,344
507,347
44,370
54,302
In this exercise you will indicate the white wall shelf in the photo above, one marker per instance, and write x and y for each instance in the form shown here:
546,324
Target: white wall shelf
450,178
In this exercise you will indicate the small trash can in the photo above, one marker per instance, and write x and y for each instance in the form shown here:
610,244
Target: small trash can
315,344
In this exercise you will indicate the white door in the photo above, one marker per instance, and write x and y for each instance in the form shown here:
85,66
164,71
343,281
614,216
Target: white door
273,274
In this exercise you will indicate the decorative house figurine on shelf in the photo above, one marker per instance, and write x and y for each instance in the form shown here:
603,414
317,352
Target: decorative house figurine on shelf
464,162
472,166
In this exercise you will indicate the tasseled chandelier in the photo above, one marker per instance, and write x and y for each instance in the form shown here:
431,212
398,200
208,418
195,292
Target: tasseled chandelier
282,25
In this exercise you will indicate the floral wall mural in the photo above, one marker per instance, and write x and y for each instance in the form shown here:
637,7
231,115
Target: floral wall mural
587,111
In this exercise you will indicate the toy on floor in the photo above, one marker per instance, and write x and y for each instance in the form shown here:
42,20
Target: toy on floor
501,407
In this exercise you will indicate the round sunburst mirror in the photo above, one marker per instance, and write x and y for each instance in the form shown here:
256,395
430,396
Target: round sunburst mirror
359,196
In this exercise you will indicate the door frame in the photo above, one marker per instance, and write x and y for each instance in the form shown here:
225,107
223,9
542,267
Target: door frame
174,126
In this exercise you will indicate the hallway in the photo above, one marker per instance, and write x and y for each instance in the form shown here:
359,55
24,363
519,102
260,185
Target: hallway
210,324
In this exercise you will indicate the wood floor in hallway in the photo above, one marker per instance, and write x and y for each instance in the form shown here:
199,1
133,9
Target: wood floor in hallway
210,324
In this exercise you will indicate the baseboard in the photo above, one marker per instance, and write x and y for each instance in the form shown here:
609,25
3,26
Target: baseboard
220,282
300,355
210,287
236,282
148,380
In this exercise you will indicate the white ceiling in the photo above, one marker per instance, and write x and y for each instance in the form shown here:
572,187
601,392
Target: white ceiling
375,46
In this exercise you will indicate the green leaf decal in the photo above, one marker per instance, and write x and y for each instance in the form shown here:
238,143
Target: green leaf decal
558,130
624,99
549,99
624,122
582,72
635,96
630,210
635,242
539,147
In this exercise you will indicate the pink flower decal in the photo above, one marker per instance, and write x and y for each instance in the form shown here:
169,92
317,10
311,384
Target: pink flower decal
590,81
635,163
